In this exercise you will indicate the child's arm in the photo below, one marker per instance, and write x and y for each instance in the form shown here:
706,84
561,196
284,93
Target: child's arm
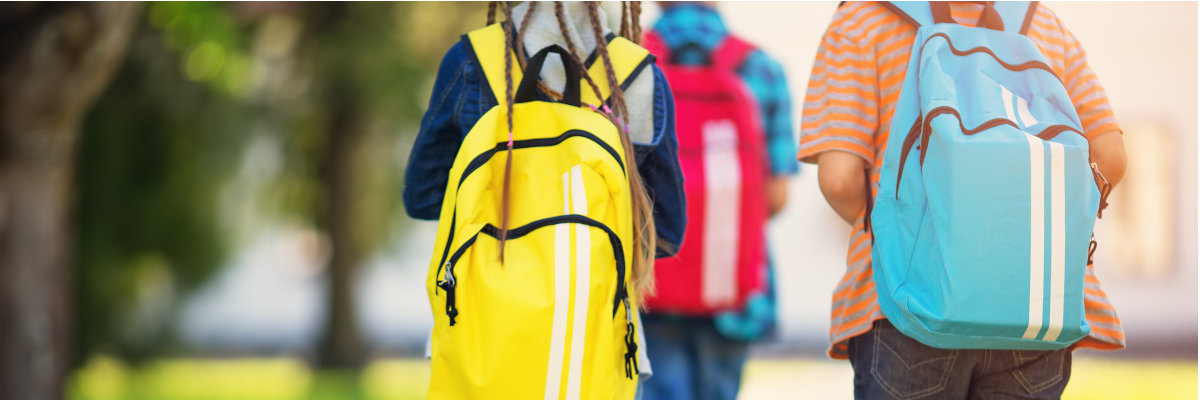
768,83
842,178
1095,112
776,194
1108,152
658,163
438,140
838,125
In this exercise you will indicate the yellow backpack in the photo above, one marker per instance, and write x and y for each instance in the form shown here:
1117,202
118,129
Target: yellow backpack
554,320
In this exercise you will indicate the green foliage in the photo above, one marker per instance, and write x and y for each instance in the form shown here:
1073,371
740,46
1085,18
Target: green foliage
247,379
162,192
152,154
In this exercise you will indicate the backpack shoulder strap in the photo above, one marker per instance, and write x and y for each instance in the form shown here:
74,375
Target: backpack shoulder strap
918,13
731,53
1017,15
628,60
486,47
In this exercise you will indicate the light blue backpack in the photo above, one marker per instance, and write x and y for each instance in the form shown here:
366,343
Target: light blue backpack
987,197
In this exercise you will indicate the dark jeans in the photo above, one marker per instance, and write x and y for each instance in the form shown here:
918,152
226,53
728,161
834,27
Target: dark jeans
691,360
889,365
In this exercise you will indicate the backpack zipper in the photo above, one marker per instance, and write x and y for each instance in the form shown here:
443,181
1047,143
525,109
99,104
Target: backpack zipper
449,283
483,158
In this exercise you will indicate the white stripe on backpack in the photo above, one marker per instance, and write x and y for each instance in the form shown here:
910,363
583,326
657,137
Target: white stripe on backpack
722,209
1058,239
1037,238
1037,229
562,294
583,282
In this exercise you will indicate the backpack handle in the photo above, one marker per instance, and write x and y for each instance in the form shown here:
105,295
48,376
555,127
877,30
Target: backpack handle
527,91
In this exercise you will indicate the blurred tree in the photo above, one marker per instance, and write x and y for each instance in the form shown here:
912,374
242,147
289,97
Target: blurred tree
337,89
371,67
154,152
54,60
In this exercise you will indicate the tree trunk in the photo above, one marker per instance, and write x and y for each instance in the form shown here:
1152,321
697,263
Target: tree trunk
341,344
55,59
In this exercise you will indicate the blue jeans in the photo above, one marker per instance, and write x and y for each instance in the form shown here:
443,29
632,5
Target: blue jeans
889,365
691,360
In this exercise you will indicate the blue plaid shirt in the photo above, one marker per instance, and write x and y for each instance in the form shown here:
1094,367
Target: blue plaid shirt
694,23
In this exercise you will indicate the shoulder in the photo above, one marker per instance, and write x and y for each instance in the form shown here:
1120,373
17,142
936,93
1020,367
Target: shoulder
459,53
1052,37
457,61
1045,25
759,63
1045,19
862,22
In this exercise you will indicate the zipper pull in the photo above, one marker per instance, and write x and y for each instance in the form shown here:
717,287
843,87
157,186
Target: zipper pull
1104,186
448,284
631,347
449,278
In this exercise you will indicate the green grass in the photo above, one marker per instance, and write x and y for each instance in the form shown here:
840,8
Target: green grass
248,379
406,379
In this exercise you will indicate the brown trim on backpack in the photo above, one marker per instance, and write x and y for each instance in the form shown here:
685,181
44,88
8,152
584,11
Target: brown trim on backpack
925,131
1051,132
1103,185
981,49
1029,17
913,133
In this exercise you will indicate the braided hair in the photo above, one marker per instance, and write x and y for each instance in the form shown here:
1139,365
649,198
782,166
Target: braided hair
645,236
644,233
505,204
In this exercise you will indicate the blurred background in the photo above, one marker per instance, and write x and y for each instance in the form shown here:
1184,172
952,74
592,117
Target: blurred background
202,200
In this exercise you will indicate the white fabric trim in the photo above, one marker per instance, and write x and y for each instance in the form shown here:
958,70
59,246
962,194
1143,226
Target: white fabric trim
1058,236
722,209
583,272
1023,111
562,296
1037,234
1007,96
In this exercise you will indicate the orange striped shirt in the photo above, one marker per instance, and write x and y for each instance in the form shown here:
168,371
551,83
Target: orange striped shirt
852,93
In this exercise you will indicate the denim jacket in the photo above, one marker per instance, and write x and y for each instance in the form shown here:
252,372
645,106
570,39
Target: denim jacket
460,99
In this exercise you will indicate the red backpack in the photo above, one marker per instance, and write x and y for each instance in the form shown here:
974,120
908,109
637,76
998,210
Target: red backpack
723,257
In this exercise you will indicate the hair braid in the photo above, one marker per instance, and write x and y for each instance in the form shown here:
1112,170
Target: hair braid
491,15
521,33
624,31
645,236
571,48
508,96
635,23
616,95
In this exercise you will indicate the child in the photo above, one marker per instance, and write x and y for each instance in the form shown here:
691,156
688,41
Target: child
852,94
641,108
700,354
